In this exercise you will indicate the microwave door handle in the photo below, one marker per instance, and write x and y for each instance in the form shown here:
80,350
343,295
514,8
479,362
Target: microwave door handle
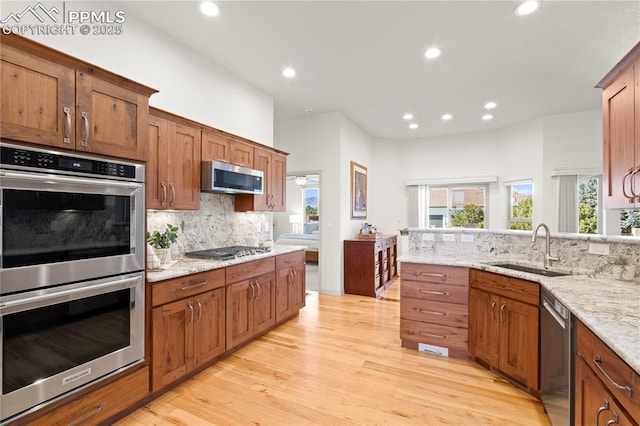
26,303
73,180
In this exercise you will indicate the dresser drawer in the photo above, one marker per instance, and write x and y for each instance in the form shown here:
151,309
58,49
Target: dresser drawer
434,334
434,291
175,289
434,312
591,348
435,274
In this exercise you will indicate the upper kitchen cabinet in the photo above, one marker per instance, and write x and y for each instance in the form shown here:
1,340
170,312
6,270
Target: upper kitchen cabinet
621,133
215,146
50,98
173,164
241,154
274,166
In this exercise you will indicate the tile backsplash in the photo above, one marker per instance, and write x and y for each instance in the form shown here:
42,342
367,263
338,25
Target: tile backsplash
216,224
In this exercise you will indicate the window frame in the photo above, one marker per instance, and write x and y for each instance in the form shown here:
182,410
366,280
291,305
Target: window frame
510,204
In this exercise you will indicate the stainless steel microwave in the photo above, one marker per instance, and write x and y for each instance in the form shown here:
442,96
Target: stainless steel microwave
229,179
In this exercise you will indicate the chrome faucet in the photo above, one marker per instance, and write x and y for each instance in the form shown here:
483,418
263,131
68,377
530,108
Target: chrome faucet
547,246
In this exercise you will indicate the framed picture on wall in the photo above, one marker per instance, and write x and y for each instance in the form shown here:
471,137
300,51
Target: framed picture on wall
358,191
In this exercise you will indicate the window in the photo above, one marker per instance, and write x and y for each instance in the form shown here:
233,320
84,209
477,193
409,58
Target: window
446,207
588,205
520,205
310,200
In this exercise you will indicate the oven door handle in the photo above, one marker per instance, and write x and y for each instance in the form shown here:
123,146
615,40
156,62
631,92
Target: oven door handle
32,302
51,180
554,314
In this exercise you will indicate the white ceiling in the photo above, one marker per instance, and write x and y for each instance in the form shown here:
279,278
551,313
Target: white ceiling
365,58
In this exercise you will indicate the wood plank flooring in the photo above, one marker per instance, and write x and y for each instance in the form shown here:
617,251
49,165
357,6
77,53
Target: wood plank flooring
340,363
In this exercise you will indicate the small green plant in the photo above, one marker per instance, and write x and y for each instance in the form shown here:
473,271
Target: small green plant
165,239
620,261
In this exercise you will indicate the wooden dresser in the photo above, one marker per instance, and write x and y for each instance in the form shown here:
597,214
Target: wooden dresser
370,264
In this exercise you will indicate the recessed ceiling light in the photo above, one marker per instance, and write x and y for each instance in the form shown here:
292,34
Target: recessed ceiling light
209,8
446,117
289,72
413,126
490,105
487,117
308,110
432,53
407,116
526,7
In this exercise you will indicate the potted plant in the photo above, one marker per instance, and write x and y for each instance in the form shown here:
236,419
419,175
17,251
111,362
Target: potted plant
632,221
161,242
618,266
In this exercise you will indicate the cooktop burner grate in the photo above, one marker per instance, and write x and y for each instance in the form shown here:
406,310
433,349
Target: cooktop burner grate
226,253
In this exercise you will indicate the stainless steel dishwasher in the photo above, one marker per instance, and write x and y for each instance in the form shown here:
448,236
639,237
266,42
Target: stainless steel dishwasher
556,359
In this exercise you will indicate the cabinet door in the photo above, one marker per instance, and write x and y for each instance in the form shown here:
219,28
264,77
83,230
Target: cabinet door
239,312
241,154
155,171
284,277
297,289
172,336
110,119
594,405
208,330
619,145
264,304
484,326
37,100
519,341
261,161
215,147
277,182
184,167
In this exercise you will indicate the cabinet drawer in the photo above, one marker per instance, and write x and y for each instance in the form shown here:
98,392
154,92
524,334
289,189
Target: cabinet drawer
513,288
591,348
434,291
171,290
244,271
98,406
435,273
434,334
289,259
434,312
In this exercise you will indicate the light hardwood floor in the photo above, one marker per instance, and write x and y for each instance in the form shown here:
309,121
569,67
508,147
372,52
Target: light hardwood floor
340,362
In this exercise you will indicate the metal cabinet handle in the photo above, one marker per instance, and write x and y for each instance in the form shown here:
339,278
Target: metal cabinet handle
604,407
439,293
424,311
632,180
253,290
501,310
173,193
191,286
614,420
164,193
597,361
199,310
431,274
88,415
624,178
85,118
422,333
493,305
190,305
67,135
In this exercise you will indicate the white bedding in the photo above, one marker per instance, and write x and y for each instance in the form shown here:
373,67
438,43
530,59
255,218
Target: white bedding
310,241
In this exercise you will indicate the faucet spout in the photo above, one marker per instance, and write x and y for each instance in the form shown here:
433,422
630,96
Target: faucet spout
547,246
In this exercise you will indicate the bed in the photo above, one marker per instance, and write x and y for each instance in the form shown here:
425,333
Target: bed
310,239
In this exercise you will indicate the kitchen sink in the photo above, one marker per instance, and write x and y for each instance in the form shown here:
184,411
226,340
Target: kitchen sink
530,269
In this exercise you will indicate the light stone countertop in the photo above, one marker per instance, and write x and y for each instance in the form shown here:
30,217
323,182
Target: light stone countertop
608,307
186,265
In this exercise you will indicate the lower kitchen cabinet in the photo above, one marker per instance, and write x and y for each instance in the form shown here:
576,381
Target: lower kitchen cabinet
290,284
370,264
504,325
187,332
606,388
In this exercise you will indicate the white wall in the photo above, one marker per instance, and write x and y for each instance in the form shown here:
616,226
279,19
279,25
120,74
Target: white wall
281,224
188,85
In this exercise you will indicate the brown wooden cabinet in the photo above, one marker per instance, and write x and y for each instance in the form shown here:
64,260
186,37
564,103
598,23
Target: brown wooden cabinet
504,325
251,301
370,264
188,325
173,166
605,386
290,284
49,98
621,133
215,146
242,154
433,308
274,167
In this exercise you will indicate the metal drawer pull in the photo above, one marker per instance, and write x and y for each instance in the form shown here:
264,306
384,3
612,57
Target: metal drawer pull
597,361
190,286
614,420
190,305
624,178
423,311
199,310
85,118
67,136
440,293
432,274
604,407
632,181
88,415
422,333
164,193
173,193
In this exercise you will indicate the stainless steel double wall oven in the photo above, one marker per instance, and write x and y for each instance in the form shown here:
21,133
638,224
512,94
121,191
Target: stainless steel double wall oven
71,273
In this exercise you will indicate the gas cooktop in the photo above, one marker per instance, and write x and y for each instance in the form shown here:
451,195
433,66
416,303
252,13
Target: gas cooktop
226,253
